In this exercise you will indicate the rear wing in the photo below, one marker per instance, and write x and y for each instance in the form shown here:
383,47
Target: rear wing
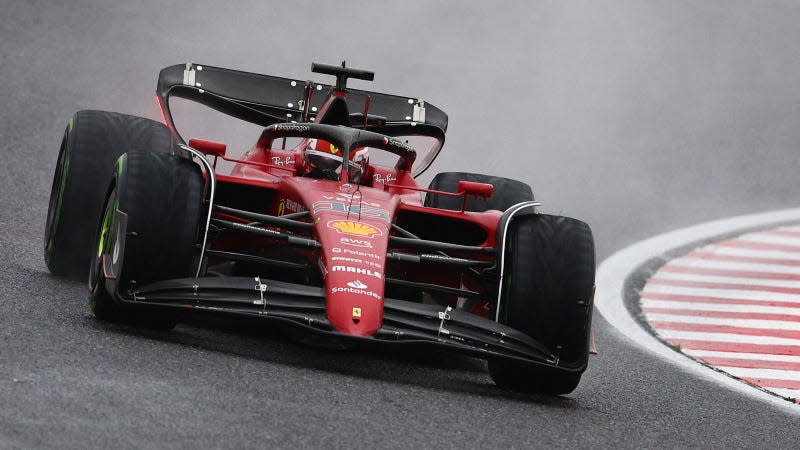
267,99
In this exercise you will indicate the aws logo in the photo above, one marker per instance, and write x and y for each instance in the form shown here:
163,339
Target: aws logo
356,242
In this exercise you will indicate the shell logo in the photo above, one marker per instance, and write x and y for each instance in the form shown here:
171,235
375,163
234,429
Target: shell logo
354,228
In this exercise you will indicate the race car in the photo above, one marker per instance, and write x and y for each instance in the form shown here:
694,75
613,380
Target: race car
320,225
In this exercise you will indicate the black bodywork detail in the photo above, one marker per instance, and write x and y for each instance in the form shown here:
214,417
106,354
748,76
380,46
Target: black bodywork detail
279,221
338,113
255,259
266,232
436,259
401,242
245,197
441,228
404,322
429,287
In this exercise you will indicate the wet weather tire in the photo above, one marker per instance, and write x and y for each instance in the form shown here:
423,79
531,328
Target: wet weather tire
547,293
507,192
148,232
91,145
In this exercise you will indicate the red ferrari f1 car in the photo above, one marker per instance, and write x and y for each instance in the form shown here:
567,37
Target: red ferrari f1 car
320,225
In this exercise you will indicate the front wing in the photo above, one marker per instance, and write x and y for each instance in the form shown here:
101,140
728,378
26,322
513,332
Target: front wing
404,322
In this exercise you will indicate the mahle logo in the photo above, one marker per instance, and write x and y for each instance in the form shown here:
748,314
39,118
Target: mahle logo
357,270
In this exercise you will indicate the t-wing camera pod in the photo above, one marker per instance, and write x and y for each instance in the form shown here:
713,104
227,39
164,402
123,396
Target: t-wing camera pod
342,74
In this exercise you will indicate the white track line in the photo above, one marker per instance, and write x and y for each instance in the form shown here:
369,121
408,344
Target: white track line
723,251
741,323
791,393
721,307
762,373
613,272
771,239
738,355
724,279
688,262
727,337
725,293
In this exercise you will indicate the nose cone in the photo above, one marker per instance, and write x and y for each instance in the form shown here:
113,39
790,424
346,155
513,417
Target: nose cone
353,228
354,297
354,256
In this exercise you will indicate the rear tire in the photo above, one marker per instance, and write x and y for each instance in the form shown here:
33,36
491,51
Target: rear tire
507,192
547,293
147,233
91,145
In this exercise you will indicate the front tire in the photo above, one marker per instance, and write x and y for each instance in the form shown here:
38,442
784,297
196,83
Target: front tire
547,293
147,233
91,145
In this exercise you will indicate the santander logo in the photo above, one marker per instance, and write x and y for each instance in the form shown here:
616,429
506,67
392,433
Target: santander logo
357,284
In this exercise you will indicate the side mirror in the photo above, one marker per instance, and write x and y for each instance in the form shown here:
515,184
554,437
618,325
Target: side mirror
466,188
208,147
484,190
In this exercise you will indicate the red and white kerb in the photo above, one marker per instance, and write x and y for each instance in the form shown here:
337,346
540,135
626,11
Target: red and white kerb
735,305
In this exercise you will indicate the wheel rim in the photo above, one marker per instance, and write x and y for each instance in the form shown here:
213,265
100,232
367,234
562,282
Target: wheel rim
105,226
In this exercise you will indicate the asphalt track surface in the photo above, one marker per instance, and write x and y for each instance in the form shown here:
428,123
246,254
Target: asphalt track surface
639,117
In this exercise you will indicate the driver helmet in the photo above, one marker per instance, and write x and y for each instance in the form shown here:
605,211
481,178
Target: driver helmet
322,159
